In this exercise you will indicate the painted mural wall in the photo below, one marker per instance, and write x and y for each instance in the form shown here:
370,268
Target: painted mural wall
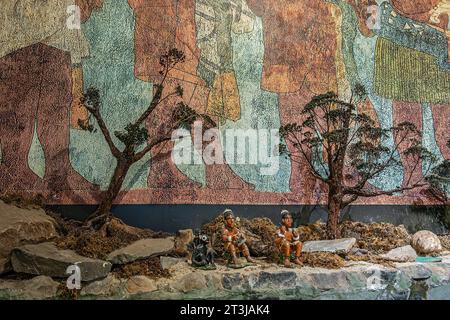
250,64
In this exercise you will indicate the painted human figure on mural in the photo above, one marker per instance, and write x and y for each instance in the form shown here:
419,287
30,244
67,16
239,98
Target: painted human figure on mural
161,25
215,21
36,86
231,44
300,43
411,32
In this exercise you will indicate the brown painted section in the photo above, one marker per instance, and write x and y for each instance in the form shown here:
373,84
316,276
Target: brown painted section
87,6
38,83
419,10
160,26
300,45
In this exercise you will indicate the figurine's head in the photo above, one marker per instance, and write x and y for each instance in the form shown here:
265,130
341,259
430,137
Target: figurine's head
228,217
203,238
286,219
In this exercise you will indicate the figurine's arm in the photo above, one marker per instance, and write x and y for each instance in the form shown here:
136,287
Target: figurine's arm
226,237
281,232
296,235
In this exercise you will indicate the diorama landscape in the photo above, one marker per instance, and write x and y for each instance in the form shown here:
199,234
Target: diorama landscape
323,105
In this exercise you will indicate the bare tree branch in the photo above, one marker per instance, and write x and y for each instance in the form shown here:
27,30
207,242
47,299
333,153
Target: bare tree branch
104,129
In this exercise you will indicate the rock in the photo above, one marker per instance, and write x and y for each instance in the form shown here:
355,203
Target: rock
402,254
415,271
140,284
22,226
182,239
167,262
38,288
425,242
190,282
110,286
46,259
359,252
141,249
334,246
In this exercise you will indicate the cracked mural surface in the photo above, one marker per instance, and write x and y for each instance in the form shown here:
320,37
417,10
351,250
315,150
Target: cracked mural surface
250,64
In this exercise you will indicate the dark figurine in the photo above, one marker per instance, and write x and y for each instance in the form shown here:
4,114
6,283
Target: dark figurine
202,252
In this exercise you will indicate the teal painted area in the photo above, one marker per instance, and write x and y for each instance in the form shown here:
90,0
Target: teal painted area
110,68
428,259
197,170
36,156
259,109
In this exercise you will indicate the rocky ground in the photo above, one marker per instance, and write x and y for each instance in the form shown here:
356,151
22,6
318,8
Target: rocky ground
376,261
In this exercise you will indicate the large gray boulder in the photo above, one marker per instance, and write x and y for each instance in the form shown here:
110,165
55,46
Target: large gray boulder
191,282
38,288
333,246
109,286
168,262
22,226
402,254
47,259
141,249
140,284
426,242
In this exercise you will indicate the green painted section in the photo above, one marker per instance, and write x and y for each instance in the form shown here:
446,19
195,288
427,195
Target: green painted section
36,157
409,75
110,68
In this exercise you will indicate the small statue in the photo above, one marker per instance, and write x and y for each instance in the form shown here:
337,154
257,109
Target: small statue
202,252
287,240
233,239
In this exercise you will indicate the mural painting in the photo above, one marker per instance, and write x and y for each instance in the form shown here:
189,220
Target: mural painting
250,65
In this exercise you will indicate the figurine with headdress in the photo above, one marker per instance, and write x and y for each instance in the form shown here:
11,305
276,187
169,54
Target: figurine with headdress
233,239
288,241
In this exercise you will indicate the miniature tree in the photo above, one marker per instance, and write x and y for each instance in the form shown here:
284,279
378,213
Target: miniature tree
439,184
345,150
135,134
439,180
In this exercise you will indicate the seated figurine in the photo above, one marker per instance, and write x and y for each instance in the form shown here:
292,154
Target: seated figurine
233,239
202,253
287,240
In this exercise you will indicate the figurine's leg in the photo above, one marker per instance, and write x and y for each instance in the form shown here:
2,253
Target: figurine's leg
232,251
286,250
199,260
210,257
298,251
246,253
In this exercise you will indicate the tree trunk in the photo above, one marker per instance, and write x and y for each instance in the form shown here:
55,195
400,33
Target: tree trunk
114,188
334,211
